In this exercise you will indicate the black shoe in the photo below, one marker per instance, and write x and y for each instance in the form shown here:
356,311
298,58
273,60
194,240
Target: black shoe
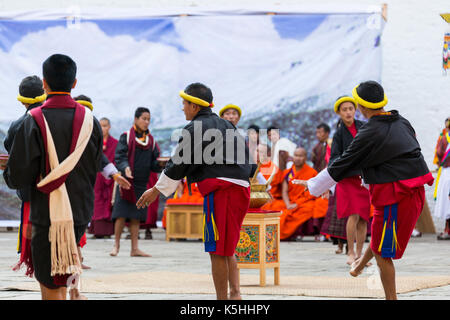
148,235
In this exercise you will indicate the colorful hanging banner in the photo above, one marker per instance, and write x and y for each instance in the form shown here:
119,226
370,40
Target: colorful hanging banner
446,52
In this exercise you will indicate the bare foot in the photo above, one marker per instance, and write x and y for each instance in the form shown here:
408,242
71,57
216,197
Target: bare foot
114,252
355,269
85,267
139,253
368,264
351,258
235,297
75,295
339,251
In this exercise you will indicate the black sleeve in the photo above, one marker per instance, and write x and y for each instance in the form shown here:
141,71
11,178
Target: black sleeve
25,156
121,155
179,164
99,156
104,161
155,167
336,146
9,139
359,154
253,169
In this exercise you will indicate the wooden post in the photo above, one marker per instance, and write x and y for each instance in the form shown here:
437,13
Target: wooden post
262,256
276,270
167,223
188,223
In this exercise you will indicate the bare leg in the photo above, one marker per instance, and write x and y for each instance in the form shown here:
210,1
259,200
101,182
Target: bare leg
361,232
387,275
118,229
53,294
75,295
134,231
358,265
83,266
219,268
351,237
340,248
233,278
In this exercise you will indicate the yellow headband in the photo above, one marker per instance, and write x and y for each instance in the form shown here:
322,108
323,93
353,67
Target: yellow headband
230,106
341,100
31,100
367,104
86,104
195,100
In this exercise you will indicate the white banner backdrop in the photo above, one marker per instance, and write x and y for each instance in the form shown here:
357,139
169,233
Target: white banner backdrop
284,69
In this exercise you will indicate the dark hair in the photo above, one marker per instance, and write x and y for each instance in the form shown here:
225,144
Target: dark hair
272,128
31,87
253,127
82,97
59,72
199,90
105,119
324,126
139,111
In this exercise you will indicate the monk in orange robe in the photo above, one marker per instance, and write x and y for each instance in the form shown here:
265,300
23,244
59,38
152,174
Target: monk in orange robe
182,195
298,205
266,165
277,203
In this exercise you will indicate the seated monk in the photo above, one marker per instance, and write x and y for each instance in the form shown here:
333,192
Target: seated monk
182,195
266,165
298,205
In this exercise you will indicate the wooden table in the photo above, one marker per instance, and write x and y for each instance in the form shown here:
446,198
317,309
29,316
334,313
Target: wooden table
259,244
184,221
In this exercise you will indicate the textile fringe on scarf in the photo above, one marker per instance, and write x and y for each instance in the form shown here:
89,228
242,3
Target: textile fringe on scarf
64,251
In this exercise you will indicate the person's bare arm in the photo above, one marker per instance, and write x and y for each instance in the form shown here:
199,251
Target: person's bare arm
285,196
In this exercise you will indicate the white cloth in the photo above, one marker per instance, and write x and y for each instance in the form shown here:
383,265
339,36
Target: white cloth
283,145
260,178
109,170
365,185
442,208
167,186
320,183
239,182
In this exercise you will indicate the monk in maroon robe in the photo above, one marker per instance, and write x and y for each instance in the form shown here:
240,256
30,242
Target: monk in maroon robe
101,224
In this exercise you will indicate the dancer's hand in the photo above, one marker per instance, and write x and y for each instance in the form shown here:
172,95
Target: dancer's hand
325,195
147,198
3,161
128,173
122,182
301,182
